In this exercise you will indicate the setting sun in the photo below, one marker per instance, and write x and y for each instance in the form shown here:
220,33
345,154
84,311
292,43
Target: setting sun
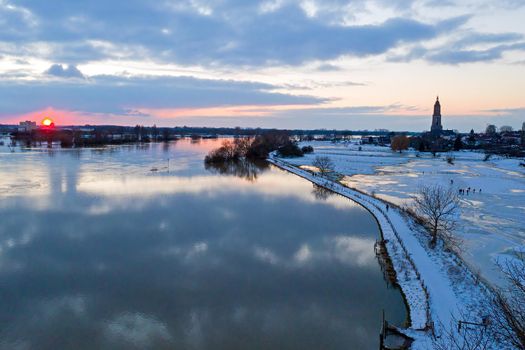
47,122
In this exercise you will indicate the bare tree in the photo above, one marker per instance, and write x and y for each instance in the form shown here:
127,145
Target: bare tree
242,145
509,304
437,207
465,335
227,151
324,164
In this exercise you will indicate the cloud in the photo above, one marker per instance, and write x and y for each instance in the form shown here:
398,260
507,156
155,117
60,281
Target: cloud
234,32
263,39
474,38
328,68
311,84
137,330
125,96
465,56
477,4
227,33
467,48
15,74
15,19
358,110
452,56
69,71
507,111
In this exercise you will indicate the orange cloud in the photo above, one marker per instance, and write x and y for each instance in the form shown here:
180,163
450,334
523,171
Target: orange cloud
61,117
223,111
163,116
141,115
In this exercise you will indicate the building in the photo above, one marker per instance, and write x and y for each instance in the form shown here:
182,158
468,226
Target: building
375,140
26,126
436,129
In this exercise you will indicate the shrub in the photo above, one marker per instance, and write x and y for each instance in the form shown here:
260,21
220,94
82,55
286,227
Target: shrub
307,149
290,149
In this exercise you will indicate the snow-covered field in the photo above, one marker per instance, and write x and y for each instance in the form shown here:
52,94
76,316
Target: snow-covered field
492,221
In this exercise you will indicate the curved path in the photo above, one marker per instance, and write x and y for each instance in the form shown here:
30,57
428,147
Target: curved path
434,297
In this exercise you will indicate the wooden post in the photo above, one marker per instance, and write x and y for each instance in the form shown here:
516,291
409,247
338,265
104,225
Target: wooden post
382,334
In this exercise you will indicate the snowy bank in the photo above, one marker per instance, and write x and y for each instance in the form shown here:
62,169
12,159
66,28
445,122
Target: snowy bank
438,287
491,221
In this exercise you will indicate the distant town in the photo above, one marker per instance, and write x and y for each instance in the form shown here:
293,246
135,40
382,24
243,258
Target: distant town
501,140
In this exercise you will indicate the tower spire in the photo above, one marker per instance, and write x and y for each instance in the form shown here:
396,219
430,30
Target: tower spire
436,127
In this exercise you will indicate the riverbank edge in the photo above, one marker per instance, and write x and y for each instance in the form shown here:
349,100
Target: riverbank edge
452,289
408,279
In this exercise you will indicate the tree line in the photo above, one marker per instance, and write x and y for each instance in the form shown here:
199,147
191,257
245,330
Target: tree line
258,147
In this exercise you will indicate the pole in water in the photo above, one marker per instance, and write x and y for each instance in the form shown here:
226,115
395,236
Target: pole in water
168,165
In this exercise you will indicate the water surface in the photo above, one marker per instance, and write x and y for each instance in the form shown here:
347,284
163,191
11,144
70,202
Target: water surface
142,247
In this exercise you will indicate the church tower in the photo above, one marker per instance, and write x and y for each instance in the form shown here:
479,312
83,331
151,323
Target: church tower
436,127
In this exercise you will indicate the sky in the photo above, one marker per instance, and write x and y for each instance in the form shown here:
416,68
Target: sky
306,64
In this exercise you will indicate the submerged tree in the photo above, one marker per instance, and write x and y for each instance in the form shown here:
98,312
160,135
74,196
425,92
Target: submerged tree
242,145
437,207
267,142
227,151
257,147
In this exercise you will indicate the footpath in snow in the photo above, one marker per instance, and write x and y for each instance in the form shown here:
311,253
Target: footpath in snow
438,287
491,217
